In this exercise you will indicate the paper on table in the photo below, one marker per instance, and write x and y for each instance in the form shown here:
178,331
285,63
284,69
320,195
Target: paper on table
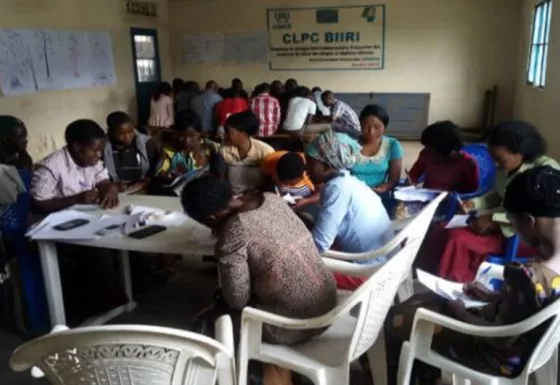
203,235
80,207
458,221
153,216
45,230
413,194
291,199
447,289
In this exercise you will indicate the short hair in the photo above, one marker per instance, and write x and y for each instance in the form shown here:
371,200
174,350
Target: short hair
245,121
187,119
326,94
290,166
211,84
205,196
443,137
236,81
262,88
316,89
177,84
83,131
518,137
377,111
535,192
164,88
303,92
117,119
8,125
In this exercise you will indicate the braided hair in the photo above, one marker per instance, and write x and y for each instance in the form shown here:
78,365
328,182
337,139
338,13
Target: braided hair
205,196
443,137
535,192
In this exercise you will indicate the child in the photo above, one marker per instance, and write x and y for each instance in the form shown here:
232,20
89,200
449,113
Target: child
287,170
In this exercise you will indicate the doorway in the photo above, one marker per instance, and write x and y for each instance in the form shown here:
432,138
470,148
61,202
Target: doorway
147,69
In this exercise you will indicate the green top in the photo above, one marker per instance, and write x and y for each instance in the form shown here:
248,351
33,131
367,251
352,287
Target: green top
493,199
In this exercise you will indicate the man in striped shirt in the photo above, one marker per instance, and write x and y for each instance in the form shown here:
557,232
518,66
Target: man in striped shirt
267,109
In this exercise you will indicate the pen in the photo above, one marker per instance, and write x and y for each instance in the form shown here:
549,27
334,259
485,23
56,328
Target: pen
484,272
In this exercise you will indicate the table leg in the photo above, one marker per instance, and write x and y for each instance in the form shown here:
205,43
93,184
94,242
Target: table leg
53,286
124,265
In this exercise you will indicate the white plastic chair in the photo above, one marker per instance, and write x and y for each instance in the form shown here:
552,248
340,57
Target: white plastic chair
345,263
326,358
131,355
543,361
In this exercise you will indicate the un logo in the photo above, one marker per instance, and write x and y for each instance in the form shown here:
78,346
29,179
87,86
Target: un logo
282,17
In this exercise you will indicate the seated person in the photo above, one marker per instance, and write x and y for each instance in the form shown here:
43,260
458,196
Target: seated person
74,174
442,164
204,105
126,156
287,170
516,147
233,103
532,203
181,150
242,153
350,213
13,143
379,160
342,116
300,115
266,258
267,109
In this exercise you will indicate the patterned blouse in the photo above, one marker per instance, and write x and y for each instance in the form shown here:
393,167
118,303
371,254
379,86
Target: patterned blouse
176,163
374,170
267,259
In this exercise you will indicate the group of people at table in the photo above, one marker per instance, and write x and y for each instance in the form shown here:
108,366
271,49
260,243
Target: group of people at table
270,258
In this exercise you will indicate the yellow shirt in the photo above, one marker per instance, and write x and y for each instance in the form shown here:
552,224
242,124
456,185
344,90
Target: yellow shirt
256,154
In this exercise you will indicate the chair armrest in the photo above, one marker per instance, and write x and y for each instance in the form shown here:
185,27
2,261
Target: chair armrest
351,269
223,330
250,313
427,316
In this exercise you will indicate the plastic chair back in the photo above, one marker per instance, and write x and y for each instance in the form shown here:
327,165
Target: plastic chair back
486,169
377,294
128,355
550,340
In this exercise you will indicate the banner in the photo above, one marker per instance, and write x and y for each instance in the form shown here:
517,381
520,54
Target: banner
333,38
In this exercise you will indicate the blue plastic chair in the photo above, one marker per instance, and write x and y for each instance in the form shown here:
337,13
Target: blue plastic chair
13,225
510,253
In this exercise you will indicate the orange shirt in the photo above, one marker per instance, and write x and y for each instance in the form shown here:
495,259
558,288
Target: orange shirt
302,188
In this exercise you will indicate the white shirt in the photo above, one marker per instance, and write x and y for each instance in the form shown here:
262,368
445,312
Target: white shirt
298,109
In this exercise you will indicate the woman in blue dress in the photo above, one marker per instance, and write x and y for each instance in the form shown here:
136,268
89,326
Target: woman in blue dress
379,161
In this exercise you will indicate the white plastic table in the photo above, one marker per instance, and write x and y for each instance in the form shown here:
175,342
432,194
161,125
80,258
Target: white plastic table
177,240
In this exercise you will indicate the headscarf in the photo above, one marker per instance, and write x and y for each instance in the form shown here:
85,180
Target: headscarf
333,149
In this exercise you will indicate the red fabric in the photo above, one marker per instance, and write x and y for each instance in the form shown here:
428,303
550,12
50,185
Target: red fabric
267,109
230,106
346,282
452,174
465,251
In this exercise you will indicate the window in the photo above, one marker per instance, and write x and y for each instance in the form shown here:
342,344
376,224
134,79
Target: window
538,50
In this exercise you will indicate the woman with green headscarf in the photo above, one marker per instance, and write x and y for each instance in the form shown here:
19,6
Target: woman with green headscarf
351,215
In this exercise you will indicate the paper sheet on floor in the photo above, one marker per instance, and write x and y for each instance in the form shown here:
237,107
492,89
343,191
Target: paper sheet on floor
458,221
447,289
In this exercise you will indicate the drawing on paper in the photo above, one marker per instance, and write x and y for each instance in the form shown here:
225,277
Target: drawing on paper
17,74
74,51
33,60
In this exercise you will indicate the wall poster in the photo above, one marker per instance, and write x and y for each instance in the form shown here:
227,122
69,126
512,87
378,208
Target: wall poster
328,38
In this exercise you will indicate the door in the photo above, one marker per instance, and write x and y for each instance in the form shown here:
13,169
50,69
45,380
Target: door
147,69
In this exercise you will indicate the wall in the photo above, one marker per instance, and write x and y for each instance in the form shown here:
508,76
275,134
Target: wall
46,114
453,49
540,106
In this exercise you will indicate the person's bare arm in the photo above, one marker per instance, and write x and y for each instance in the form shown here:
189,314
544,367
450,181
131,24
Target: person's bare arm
395,168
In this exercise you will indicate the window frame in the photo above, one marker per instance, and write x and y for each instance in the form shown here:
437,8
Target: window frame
539,44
